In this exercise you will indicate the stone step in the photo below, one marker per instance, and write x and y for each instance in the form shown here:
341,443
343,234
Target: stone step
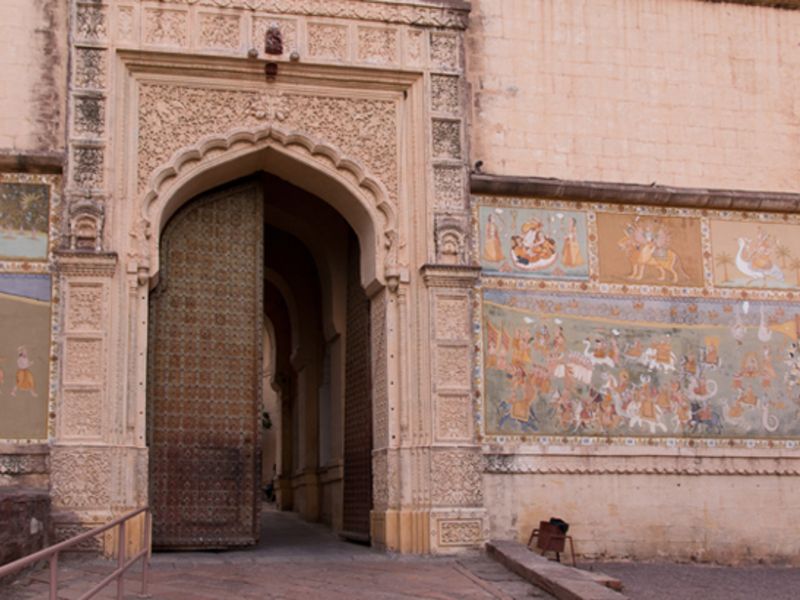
563,582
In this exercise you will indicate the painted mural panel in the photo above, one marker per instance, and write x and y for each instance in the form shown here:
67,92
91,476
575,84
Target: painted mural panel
24,353
536,243
637,249
565,364
755,255
24,220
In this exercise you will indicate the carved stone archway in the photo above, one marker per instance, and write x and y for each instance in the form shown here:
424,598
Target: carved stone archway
301,160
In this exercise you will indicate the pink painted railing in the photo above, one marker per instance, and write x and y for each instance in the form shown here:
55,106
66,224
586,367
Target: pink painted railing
51,554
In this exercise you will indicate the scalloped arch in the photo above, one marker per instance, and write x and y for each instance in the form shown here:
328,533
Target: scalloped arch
319,168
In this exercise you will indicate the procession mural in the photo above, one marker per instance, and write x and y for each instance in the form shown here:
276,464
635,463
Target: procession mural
24,220
636,366
535,243
636,249
24,355
755,255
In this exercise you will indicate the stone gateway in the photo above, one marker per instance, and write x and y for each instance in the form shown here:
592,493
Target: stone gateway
429,272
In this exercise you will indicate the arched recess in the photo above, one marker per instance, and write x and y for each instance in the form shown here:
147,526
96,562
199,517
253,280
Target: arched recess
315,167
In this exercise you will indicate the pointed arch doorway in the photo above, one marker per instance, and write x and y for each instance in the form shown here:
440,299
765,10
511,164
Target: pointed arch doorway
217,286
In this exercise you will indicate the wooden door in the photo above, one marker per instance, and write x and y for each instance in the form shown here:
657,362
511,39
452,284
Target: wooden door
204,376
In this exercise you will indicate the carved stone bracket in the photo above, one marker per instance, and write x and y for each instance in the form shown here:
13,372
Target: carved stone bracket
451,240
86,221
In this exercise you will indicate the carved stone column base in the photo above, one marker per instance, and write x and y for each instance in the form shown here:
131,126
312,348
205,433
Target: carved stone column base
402,530
429,531
92,484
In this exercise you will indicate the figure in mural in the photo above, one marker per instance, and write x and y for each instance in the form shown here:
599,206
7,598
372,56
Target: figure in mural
492,248
647,244
533,250
571,252
655,370
24,381
757,258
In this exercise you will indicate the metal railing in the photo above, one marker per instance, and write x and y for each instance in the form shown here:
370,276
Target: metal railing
51,554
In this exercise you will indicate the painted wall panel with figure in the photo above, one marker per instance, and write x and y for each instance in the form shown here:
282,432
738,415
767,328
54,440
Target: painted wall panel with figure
571,364
637,249
536,243
24,355
756,255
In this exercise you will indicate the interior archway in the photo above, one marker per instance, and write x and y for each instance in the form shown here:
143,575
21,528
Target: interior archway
317,311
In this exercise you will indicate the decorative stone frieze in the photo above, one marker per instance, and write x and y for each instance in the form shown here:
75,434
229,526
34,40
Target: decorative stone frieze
172,116
456,478
81,414
445,94
448,184
83,361
91,22
81,477
166,27
416,48
125,23
87,167
452,366
451,320
327,41
459,532
220,31
90,68
453,16
641,465
85,307
453,418
377,45
89,115
446,138
445,51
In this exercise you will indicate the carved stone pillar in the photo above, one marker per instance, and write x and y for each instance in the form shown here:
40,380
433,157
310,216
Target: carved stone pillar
458,516
94,474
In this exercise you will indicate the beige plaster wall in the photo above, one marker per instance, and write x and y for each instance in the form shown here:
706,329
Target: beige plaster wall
33,65
680,92
717,518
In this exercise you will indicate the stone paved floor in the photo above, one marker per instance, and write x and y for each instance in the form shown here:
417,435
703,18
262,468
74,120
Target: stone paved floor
669,581
294,561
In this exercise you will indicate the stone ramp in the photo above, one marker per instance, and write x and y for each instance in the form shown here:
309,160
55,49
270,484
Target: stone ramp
563,582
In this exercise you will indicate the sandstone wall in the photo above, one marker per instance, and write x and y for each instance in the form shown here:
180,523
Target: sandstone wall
727,519
33,63
680,92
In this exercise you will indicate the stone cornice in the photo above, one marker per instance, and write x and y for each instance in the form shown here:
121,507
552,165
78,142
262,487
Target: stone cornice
24,162
450,275
629,193
451,14
640,465
787,4
86,264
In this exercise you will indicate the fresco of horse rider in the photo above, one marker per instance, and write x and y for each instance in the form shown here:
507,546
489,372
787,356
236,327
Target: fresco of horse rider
561,364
